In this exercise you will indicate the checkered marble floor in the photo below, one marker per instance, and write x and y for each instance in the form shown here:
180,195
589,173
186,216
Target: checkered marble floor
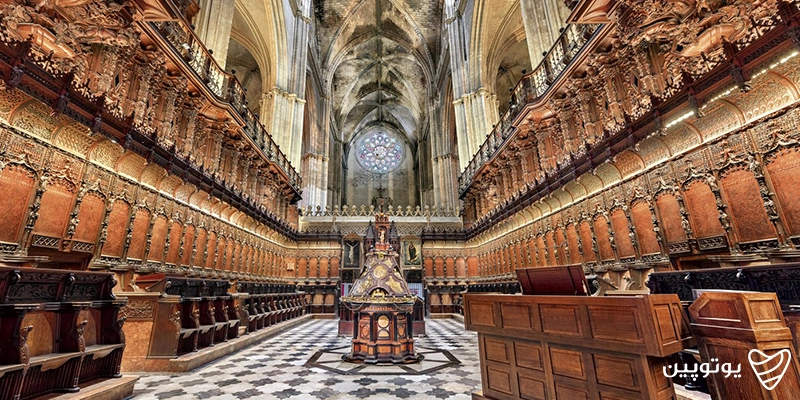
274,369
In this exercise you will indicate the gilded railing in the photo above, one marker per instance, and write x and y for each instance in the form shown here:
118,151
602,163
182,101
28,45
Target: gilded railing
530,88
225,87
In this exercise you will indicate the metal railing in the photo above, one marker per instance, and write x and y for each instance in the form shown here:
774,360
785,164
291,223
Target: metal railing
225,87
530,87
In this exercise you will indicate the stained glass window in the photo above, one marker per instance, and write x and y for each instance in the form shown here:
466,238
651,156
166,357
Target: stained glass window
380,152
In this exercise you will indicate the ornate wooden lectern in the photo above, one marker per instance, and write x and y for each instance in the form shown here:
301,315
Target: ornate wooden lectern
382,307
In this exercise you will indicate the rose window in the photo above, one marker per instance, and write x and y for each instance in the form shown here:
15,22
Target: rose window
380,153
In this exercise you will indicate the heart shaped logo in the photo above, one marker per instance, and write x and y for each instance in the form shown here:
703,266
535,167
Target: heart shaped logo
770,377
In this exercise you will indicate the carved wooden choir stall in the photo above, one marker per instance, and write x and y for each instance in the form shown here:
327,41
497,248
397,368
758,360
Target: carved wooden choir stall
59,330
263,305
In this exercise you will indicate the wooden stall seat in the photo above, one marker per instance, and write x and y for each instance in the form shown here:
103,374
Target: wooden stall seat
576,347
58,330
268,304
323,298
195,315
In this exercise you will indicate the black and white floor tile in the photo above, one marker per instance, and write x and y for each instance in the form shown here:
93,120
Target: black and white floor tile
275,369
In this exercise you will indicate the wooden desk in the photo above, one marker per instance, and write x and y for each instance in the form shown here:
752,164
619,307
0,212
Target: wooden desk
575,347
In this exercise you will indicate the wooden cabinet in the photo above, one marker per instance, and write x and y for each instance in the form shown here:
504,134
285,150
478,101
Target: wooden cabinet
728,326
573,347
58,330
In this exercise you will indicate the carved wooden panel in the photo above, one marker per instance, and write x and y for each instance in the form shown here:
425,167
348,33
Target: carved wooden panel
117,227
670,212
203,244
174,249
188,244
586,241
746,206
603,238
569,363
215,250
560,319
620,224
703,214
572,240
16,185
158,239
541,251
551,248
784,171
140,225
57,203
91,217
561,243
643,222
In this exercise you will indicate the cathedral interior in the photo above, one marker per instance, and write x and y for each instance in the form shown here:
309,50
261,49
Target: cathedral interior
400,199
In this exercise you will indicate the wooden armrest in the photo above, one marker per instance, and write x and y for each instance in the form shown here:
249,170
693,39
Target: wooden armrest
4,369
52,360
101,350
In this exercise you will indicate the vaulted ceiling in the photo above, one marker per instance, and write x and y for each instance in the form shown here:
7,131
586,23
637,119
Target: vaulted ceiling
380,57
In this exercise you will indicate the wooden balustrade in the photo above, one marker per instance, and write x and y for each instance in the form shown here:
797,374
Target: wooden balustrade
59,331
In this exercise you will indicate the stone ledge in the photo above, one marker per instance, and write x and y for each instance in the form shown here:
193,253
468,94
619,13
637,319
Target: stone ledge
188,362
447,316
105,389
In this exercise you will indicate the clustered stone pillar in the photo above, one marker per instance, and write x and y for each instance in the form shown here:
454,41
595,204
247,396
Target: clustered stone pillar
213,26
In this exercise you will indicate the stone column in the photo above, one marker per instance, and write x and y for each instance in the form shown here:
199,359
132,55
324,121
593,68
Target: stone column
213,26
542,20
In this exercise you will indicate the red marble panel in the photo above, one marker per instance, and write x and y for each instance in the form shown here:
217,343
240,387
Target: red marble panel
428,267
603,238
141,223
57,203
643,222
703,214
785,173
450,265
619,222
746,206
586,242
90,217
17,188
117,228
670,212
157,239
